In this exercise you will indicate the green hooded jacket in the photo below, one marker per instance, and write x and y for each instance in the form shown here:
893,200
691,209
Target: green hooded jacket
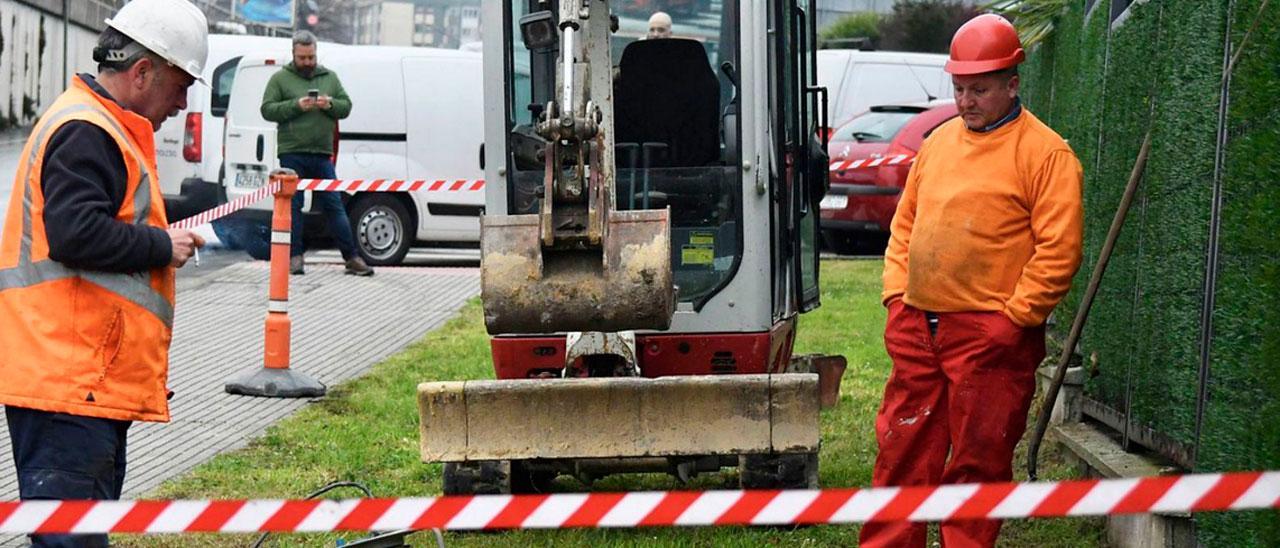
301,131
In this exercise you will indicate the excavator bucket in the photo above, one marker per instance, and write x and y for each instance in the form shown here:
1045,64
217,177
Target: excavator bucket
625,284
618,417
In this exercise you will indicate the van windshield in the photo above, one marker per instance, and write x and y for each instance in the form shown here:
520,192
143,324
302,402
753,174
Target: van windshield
676,134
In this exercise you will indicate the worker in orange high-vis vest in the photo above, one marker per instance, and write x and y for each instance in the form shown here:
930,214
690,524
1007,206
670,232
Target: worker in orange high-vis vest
983,245
87,262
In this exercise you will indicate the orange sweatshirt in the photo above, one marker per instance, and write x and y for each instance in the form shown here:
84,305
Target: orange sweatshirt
988,221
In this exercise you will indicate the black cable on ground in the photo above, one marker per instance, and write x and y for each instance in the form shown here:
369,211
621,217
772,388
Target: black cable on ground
336,485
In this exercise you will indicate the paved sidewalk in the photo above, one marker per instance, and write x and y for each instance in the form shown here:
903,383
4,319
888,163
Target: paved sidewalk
342,325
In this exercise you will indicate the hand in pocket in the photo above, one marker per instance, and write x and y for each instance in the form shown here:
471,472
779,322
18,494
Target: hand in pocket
1002,331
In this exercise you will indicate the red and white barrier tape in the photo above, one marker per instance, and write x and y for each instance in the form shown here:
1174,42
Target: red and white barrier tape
842,165
1188,493
354,185
392,185
227,208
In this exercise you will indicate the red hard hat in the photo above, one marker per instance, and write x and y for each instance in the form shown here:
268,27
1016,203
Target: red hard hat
985,43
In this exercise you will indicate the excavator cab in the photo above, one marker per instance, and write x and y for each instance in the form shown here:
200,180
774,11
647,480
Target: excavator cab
648,244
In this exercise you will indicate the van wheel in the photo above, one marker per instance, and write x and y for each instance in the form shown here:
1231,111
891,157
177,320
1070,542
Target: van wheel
383,228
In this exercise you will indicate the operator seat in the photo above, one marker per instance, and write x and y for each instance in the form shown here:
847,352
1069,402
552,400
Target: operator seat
666,92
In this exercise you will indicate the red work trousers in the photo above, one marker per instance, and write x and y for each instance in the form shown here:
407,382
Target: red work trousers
962,389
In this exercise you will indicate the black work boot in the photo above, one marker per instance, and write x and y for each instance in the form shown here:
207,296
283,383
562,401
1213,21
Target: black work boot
297,265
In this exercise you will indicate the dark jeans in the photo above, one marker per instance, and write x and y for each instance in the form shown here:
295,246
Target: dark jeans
318,166
67,457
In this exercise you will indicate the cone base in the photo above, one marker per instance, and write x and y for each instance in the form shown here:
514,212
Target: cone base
276,383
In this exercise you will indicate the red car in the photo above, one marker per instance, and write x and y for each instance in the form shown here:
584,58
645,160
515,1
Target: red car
860,205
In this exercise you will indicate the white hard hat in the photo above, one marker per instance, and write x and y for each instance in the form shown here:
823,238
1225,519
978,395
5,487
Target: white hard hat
175,30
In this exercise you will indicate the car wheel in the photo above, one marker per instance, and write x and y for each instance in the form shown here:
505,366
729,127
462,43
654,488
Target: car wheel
383,229
840,242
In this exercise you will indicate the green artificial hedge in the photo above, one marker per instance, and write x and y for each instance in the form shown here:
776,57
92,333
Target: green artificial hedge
1103,86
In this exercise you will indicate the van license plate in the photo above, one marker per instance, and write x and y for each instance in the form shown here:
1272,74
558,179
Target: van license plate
250,179
834,201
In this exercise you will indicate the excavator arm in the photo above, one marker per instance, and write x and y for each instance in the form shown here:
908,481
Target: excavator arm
579,264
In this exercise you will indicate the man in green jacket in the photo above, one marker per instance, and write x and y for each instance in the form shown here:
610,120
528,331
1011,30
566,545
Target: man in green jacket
306,101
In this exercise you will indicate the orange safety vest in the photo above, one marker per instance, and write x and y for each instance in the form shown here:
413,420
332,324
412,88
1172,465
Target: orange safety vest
74,341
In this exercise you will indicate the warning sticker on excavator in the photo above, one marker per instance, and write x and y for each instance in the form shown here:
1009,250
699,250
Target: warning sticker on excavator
701,249
699,255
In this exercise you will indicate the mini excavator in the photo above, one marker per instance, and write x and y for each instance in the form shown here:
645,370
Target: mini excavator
648,245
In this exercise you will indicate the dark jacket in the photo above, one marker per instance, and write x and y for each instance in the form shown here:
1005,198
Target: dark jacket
84,182
298,131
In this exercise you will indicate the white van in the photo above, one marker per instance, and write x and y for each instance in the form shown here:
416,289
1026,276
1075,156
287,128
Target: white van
856,80
417,113
189,145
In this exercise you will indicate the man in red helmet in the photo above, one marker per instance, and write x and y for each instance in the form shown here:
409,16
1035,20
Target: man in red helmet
984,244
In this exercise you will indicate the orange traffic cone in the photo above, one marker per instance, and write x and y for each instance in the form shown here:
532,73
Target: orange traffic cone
275,379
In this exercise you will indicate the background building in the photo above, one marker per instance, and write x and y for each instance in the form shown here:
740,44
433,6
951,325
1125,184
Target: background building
431,23
43,43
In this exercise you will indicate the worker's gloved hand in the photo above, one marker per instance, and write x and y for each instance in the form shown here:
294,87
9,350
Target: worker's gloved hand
184,244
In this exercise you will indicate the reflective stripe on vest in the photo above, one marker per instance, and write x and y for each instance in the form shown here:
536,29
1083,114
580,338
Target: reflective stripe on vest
135,288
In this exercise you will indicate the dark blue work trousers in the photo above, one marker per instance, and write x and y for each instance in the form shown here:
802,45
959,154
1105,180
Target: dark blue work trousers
319,166
67,457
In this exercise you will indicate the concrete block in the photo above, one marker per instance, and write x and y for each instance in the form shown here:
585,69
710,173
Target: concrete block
1151,531
1067,408
1102,454
1097,454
